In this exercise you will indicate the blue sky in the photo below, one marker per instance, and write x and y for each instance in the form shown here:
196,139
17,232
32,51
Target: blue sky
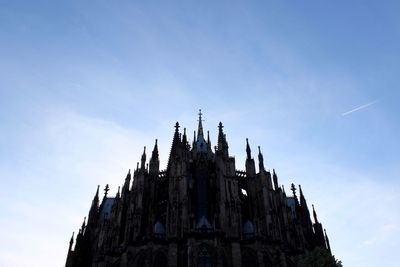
84,85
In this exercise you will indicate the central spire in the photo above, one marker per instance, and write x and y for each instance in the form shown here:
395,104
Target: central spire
201,142
200,127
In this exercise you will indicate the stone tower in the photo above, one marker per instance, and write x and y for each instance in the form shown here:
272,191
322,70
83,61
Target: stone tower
199,212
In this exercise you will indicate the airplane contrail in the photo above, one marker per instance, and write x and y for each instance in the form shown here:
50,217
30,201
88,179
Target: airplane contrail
360,107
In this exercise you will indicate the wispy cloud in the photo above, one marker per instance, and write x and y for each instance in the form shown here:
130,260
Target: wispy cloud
360,107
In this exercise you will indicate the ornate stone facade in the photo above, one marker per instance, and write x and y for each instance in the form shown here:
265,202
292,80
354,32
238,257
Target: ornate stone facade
201,212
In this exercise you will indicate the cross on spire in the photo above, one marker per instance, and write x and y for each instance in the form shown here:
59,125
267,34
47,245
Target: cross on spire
293,188
200,114
177,126
200,127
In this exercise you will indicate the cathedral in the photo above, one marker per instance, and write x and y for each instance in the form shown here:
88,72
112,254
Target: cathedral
198,212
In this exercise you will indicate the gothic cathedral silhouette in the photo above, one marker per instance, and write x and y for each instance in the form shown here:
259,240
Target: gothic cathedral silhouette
198,212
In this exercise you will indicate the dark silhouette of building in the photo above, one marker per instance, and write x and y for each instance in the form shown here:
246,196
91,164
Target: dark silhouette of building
201,211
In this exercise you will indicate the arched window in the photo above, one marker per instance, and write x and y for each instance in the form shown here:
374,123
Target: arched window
249,258
204,257
160,260
159,230
248,230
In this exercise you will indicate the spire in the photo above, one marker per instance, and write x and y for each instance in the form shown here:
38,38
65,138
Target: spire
314,214
154,154
118,194
208,141
176,140
83,225
71,242
260,159
248,150
328,246
200,126
94,209
250,165
302,198
143,160
154,161
220,136
184,138
222,144
275,178
175,144
106,189
194,140
95,202
293,188
96,196
201,144
176,134
127,182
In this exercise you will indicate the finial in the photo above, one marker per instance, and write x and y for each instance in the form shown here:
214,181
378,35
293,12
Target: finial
260,159
200,114
155,150
248,150
315,214
293,188
301,192
106,189
117,196
220,126
177,126
144,150
326,235
128,176
84,223
71,241
97,191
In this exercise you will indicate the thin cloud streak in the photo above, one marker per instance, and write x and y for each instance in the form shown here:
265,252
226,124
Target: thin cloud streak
359,108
